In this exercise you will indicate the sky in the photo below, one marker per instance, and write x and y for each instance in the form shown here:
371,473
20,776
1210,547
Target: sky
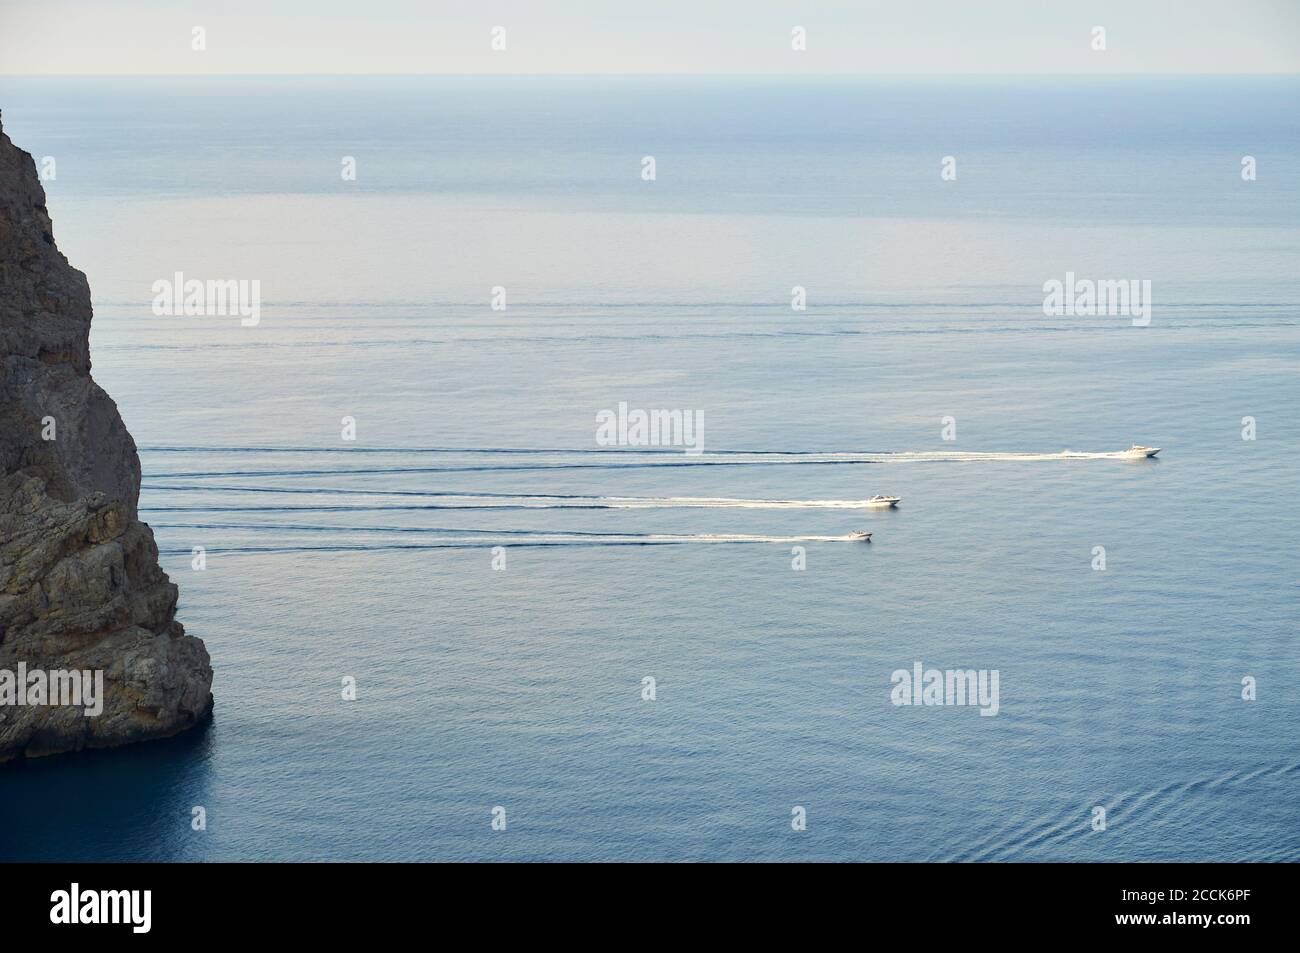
133,37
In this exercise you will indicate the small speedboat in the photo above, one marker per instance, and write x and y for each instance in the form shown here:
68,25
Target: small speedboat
1137,451
884,501
860,536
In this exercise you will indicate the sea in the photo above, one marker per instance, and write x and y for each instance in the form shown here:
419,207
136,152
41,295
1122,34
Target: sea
452,620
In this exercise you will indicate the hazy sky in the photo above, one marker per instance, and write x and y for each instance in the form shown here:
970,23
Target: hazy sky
648,36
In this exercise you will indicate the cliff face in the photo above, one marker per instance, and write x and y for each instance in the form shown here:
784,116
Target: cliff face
80,584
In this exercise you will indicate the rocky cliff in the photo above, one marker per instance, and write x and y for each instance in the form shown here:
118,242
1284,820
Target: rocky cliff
80,584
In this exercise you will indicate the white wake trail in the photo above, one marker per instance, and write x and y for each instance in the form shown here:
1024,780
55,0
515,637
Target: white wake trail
970,456
705,502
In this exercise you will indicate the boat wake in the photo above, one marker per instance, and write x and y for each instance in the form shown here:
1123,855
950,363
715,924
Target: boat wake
610,459
477,539
1133,807
458,500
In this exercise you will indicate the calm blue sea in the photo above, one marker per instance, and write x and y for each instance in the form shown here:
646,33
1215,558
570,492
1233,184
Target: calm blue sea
521,687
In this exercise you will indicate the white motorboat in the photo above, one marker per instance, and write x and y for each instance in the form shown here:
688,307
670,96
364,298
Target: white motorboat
884,501
1137,451
860,536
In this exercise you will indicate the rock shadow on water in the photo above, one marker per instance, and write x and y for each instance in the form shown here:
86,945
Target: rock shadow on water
133,803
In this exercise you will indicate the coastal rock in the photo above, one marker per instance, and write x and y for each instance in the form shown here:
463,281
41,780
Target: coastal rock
80,584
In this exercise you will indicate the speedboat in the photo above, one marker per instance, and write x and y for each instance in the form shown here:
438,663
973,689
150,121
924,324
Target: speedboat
1137,451
860,536
884,501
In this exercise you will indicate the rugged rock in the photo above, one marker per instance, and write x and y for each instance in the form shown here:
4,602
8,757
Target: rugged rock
80,584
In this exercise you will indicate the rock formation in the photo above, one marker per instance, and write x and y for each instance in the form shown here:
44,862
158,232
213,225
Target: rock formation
80,584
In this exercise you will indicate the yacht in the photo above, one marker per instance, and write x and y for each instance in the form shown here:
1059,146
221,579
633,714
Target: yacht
860,536
884,501
1137,451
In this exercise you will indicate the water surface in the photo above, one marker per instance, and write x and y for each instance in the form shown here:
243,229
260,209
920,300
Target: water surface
522,687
